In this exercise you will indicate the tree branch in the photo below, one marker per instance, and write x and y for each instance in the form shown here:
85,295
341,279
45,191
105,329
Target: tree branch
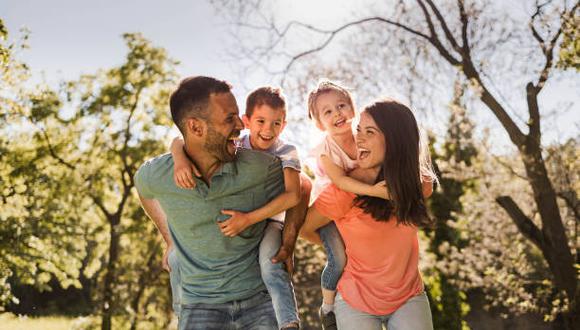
524,224
333,33
444,25
53,152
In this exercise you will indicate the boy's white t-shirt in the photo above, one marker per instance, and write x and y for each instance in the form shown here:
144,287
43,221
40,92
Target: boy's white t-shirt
288,156
329,148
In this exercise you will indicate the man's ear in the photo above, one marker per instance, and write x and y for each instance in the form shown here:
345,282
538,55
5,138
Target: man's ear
195,126
246,121
283,126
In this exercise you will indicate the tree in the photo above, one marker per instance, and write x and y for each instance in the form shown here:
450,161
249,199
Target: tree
88,139
434,40
445,204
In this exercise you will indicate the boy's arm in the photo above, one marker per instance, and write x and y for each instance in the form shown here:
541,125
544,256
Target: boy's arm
182,166
155,213
288,199
338,176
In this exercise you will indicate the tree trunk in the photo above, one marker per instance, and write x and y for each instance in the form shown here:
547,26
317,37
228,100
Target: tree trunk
106,309
554,240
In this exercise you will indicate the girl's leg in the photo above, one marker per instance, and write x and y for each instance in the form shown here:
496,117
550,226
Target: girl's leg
414,314
276,278
350,318
336,260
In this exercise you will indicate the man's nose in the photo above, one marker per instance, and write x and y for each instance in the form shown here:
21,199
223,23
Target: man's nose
239,124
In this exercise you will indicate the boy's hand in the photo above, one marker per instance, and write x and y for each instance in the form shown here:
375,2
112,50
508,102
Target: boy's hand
237,223
183,172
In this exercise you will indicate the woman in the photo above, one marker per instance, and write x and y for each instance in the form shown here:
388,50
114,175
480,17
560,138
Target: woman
381,281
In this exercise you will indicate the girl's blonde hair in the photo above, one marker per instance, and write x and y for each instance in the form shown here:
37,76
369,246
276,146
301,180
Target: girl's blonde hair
325,86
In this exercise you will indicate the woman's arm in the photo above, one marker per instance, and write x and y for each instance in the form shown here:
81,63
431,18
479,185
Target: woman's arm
338,176
314,220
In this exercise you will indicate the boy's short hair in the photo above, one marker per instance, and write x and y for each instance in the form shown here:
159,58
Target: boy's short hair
270,96
325,86
191,98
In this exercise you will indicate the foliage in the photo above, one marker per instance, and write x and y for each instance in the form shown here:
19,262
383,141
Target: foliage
69,210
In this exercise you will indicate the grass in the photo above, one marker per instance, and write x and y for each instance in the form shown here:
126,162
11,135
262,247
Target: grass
10,321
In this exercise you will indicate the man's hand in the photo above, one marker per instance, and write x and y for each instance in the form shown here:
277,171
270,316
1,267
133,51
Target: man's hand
237,223
286,255
165,261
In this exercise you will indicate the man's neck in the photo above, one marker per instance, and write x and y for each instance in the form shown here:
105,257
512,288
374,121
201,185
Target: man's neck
206,163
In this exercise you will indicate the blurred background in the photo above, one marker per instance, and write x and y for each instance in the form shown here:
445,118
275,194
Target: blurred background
84,90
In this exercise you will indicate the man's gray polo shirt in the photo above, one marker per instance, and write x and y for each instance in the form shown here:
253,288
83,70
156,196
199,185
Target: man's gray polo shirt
215,268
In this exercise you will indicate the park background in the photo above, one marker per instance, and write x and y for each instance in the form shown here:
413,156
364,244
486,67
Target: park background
83,102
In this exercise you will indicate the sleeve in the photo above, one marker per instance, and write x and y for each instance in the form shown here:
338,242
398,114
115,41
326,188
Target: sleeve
274,182
333,203
289,157
142,181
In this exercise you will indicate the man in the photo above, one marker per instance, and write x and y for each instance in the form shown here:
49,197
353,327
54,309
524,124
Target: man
221,285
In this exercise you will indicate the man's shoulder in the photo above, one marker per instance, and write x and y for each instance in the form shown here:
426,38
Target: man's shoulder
156,167
164,160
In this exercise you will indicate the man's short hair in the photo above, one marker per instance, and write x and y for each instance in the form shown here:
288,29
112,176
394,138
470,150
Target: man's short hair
270,96
191,98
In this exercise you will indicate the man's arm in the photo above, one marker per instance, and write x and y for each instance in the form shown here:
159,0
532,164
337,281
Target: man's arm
155,213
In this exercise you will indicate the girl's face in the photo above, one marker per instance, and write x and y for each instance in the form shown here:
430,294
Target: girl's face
335,113
370,142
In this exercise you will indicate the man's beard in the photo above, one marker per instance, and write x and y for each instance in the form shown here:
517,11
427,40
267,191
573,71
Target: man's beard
217,145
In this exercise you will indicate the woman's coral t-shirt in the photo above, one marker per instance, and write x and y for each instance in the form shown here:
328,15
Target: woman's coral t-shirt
382,271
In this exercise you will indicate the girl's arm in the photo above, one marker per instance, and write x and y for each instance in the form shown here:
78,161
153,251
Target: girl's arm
338,176
314,220
239,221
182,166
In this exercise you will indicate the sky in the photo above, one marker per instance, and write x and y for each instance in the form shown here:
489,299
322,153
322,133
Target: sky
71,37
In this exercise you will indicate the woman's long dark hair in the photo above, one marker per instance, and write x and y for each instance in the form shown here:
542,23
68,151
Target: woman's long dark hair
400,168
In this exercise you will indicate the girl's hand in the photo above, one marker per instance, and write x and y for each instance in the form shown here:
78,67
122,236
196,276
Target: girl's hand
237,223
183,171
380,190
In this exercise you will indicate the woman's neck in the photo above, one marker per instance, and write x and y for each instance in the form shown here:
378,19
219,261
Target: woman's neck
366,175
346,142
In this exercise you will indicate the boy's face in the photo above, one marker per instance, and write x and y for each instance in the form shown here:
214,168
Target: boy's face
334,113
265,125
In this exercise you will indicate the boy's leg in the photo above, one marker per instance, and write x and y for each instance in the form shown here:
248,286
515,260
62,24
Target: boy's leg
414,314
175,281
276,278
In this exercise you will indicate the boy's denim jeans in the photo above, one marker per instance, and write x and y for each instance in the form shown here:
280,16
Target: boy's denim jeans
414,314
175,281
275,276
335,255
255,313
